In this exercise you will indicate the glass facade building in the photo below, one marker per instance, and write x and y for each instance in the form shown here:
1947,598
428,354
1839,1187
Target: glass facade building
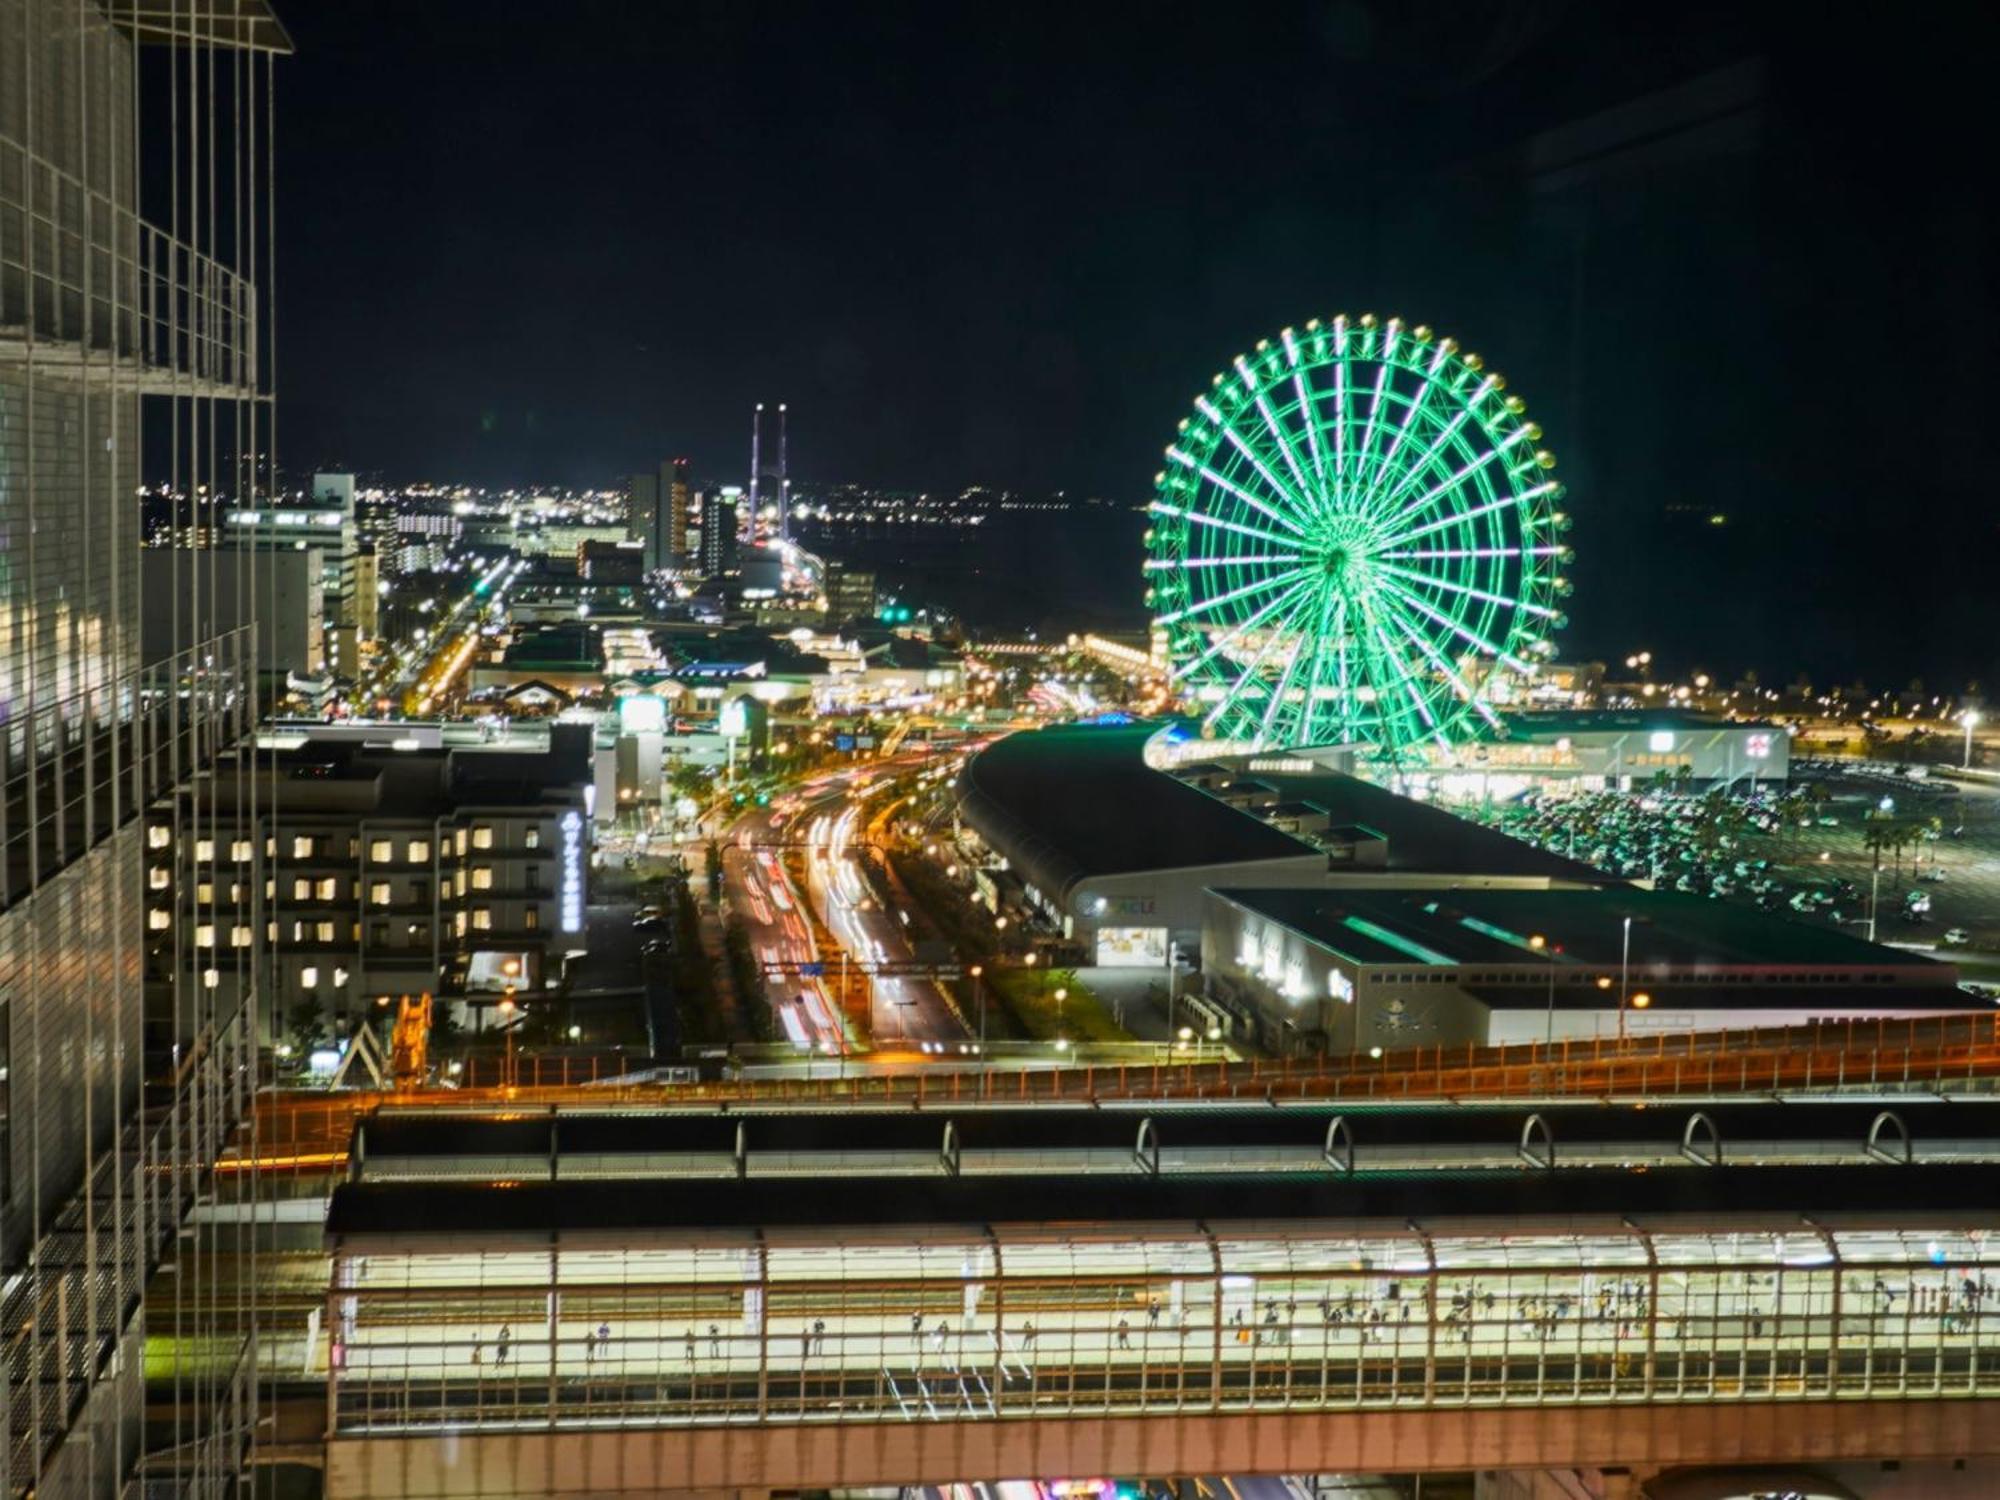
125,342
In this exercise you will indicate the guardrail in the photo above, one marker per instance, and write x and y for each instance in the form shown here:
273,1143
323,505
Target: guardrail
309,1130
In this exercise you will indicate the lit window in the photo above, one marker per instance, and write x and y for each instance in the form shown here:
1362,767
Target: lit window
381,851
240,851
378,893
239,937
309,976
302,847
339,978
211,978
329,888
323,931
531,918
298,932
271,846
532,839
204,850
158,920
420,851
482,878
159,836
482,836
302,889
461,841
204,935
459,922
204,891
158,878
482,918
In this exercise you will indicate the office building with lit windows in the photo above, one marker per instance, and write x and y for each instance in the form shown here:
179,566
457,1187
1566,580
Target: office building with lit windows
386,871
122,338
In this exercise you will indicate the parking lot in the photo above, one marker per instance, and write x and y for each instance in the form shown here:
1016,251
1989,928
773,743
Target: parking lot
1803,854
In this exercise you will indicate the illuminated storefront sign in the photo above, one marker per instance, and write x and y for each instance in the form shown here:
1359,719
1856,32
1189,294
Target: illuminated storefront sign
572,872
1132,947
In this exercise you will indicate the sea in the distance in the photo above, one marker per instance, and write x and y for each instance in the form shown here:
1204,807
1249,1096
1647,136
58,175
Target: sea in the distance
1075,567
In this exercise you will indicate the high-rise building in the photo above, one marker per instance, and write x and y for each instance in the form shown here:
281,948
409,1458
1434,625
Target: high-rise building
657,514
113,330
675,478
642,506
718,532
326,523
850,593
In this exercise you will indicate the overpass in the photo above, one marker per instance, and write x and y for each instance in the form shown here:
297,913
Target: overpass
523,1306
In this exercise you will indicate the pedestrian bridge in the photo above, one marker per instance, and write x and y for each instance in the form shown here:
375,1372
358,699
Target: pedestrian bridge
532,1337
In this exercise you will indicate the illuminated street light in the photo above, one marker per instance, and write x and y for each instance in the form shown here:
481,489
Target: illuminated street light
1969,719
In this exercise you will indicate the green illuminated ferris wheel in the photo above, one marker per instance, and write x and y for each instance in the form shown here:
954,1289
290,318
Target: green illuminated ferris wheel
1357,539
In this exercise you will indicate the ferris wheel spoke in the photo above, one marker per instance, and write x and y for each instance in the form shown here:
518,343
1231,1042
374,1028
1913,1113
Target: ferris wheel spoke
1256,665
1244,591
1373,667
1322,630
1308,416
1453,482
1405,678
1364,454
1503,502
1202,518
1241,560
1386,475
1453,554
1231,487
1466,633
1451,430
1285,446
1277,485
1452,586
1277,699
1401,620
1340,420
1222,642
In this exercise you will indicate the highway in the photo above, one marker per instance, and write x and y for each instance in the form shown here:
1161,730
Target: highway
817,832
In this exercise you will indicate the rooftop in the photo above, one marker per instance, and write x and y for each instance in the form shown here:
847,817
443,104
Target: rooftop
830,1205
1620,720
1073,800
1586,928
1422,838
349,778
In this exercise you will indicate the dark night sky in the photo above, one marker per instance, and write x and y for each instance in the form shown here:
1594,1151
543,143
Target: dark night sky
1007,244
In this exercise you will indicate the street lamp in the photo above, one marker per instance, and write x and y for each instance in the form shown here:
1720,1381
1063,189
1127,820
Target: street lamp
1542,945
1624,976
979,999
1062,994
1969,718
507,1026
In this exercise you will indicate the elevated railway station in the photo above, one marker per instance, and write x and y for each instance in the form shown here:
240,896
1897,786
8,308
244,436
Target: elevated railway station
580,1143
815,1301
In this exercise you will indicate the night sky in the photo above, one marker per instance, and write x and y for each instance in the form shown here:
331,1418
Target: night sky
1008,244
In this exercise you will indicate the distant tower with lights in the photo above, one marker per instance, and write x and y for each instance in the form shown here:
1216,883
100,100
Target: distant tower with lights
784,479
775,489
